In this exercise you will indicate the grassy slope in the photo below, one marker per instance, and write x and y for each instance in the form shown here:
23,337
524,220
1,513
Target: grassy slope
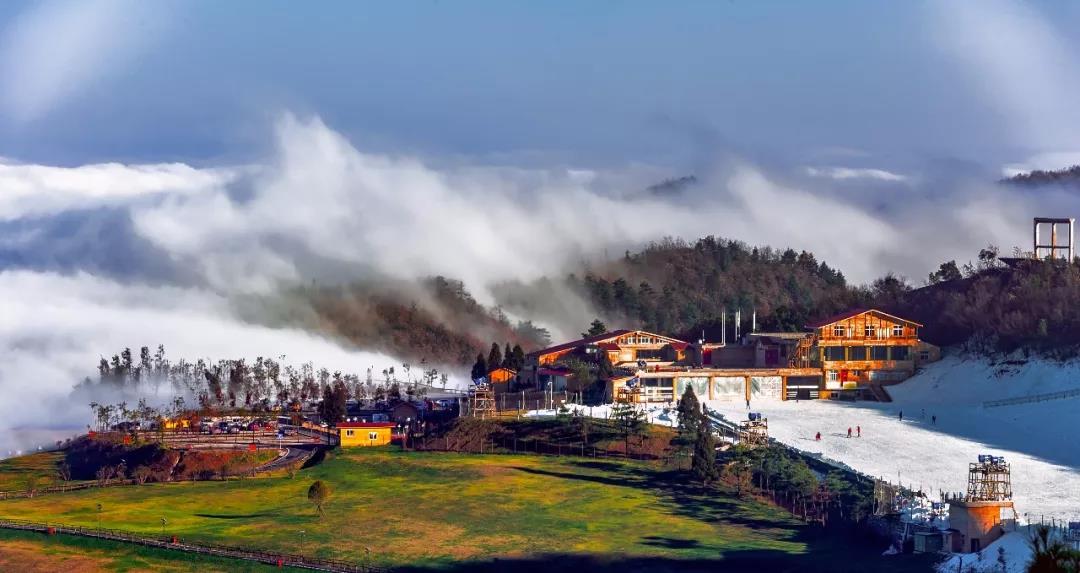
43,465
435,509
32,552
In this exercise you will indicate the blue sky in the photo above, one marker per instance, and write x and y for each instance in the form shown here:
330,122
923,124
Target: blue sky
579,82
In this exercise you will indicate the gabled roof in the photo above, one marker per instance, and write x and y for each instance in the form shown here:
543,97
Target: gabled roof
599,340
581,342
856,312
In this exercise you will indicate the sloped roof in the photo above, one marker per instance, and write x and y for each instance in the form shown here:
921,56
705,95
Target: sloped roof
856,312
598,340
580,342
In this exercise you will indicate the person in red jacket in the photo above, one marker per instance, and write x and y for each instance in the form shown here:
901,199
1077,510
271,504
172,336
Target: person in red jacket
858,431
818,437
849,431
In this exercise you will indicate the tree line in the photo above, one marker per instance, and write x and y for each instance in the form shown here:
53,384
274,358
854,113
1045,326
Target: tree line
255,386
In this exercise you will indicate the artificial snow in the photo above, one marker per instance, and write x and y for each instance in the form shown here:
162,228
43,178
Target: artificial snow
1040,440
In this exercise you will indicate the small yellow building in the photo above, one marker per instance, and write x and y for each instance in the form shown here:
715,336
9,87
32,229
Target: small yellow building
364,433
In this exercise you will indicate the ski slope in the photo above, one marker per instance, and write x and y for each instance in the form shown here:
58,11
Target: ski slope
1040,440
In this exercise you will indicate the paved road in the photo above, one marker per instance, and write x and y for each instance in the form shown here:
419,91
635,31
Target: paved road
293,454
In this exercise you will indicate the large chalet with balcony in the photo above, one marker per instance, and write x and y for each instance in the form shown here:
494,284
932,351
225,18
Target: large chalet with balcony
851,355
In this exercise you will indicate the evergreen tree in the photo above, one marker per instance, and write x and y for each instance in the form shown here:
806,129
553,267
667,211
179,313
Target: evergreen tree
517,358
703,463
494,359
629,421
604,368
479,369
596,328
507,359
689,411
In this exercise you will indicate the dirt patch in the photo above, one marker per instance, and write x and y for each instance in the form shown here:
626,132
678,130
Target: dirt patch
32,557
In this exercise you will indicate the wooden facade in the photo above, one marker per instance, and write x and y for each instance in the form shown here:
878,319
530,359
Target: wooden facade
854,353
867,347
623,348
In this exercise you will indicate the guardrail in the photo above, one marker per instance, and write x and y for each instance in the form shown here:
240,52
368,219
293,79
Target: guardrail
175,543
1033,398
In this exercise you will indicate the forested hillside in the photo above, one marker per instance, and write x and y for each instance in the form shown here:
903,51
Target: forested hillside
1029,305
440,323
680,288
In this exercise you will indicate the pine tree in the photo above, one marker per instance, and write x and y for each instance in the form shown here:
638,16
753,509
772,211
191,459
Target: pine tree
596,328
517,358
604,368
508,356
494,359
479,369
689,411
629,421
703,463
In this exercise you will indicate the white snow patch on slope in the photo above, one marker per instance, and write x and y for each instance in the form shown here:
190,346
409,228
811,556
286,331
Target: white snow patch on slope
1039,439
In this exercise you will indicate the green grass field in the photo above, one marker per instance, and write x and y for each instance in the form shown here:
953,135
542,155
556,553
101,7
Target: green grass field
30,552
433,510
15,471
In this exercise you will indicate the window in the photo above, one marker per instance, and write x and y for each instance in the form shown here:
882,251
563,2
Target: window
856,353
898,330
832,376
900,353
869,331
838,330
834,353
879,353
373,436
348,433
924,355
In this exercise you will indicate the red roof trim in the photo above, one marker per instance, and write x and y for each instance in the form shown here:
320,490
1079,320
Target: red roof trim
366,425
581,342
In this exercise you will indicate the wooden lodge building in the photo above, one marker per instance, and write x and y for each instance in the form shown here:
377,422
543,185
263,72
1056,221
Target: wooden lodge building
851,355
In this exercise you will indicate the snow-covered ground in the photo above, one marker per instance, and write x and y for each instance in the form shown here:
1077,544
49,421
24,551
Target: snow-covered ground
1040,440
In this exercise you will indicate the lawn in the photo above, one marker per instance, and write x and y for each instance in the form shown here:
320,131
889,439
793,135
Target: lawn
434,510
33,552
14,472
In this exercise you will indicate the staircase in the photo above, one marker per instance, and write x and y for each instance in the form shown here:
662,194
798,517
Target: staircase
879,393
800,358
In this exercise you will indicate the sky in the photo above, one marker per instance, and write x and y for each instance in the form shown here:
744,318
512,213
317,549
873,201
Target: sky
547,82
160,161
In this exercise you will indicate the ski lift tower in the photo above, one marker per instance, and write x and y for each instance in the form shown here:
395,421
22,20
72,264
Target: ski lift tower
989,479
986,511
755,430
482,400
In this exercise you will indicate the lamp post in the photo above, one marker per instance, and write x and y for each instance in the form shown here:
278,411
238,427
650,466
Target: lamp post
301,543
99,516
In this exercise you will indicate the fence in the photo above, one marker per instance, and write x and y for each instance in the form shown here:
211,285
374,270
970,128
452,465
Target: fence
1034,398
178,544
512,445
281,462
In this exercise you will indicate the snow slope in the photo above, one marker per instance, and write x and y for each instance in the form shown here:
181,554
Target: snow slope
1040,440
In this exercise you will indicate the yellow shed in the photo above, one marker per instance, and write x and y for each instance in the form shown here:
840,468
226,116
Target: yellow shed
364,433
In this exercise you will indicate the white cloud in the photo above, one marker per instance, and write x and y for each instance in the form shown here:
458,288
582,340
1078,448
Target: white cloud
844,173
34,190
54,328
56,49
